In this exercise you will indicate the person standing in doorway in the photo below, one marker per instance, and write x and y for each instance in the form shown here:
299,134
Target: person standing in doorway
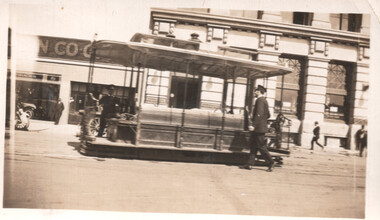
258,128
316,131
58,108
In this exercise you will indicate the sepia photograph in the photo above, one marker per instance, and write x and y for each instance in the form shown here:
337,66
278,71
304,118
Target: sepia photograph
190,108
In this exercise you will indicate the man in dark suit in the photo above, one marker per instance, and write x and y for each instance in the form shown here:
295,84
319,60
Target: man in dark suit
258,128
109,104
58,108
316,132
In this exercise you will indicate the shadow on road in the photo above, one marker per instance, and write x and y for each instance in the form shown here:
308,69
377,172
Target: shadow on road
75,145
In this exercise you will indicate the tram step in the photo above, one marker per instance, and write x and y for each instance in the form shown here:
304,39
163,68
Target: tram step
169,154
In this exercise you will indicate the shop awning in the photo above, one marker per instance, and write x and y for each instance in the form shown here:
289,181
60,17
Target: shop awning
169,54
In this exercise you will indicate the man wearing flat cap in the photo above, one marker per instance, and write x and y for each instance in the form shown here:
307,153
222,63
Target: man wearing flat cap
259,127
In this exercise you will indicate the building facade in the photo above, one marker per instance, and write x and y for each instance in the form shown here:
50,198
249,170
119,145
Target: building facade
59,68
329,54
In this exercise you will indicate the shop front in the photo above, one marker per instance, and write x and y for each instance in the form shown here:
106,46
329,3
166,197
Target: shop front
40,89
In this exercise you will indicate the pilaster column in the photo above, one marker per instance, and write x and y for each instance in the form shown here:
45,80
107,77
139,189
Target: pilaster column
361,86
366,23
269,58
321,20
268,53
315,96
65,96
360,93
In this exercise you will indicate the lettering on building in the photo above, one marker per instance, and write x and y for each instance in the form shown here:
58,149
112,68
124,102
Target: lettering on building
65,48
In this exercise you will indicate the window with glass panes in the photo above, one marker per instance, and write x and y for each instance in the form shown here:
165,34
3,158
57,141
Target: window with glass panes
288,88
338,82
235,99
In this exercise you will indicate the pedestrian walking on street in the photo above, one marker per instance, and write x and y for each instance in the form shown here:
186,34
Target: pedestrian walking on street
258,128
362,139
58,108
316,131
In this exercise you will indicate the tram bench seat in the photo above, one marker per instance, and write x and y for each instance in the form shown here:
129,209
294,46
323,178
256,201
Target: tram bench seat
121,130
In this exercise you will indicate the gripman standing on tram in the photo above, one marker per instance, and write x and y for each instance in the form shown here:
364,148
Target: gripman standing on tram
109,104
258,127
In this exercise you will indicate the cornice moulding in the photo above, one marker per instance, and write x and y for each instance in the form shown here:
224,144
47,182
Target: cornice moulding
260,25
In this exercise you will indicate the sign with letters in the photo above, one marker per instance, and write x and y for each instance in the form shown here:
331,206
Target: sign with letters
66,48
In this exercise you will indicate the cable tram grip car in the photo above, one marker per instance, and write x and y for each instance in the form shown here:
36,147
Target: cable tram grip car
181,128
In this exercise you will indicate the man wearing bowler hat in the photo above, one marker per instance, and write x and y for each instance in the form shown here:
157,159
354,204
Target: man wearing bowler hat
259,127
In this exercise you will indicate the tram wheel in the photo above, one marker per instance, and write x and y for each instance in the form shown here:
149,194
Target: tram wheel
94,127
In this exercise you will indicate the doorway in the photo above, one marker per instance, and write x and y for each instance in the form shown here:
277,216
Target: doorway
177,92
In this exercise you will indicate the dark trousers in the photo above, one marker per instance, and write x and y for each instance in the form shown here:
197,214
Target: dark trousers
315,139
258,143
102,124
56,119
362,146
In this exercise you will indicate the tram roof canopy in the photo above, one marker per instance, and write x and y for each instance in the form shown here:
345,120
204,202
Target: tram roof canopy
170,54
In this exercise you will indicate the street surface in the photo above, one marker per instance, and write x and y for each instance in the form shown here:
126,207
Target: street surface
44,170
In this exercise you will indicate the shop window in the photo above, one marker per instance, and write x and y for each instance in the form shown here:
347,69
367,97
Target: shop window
43,95
177,91
337,94
290,87
303,18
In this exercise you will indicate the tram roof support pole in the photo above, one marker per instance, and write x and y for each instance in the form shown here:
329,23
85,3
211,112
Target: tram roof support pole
282,92
246,103
265,83
124,84
233,93
91,67
225,86
185,95
130,98
139,89
159,89
92,60
180,141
